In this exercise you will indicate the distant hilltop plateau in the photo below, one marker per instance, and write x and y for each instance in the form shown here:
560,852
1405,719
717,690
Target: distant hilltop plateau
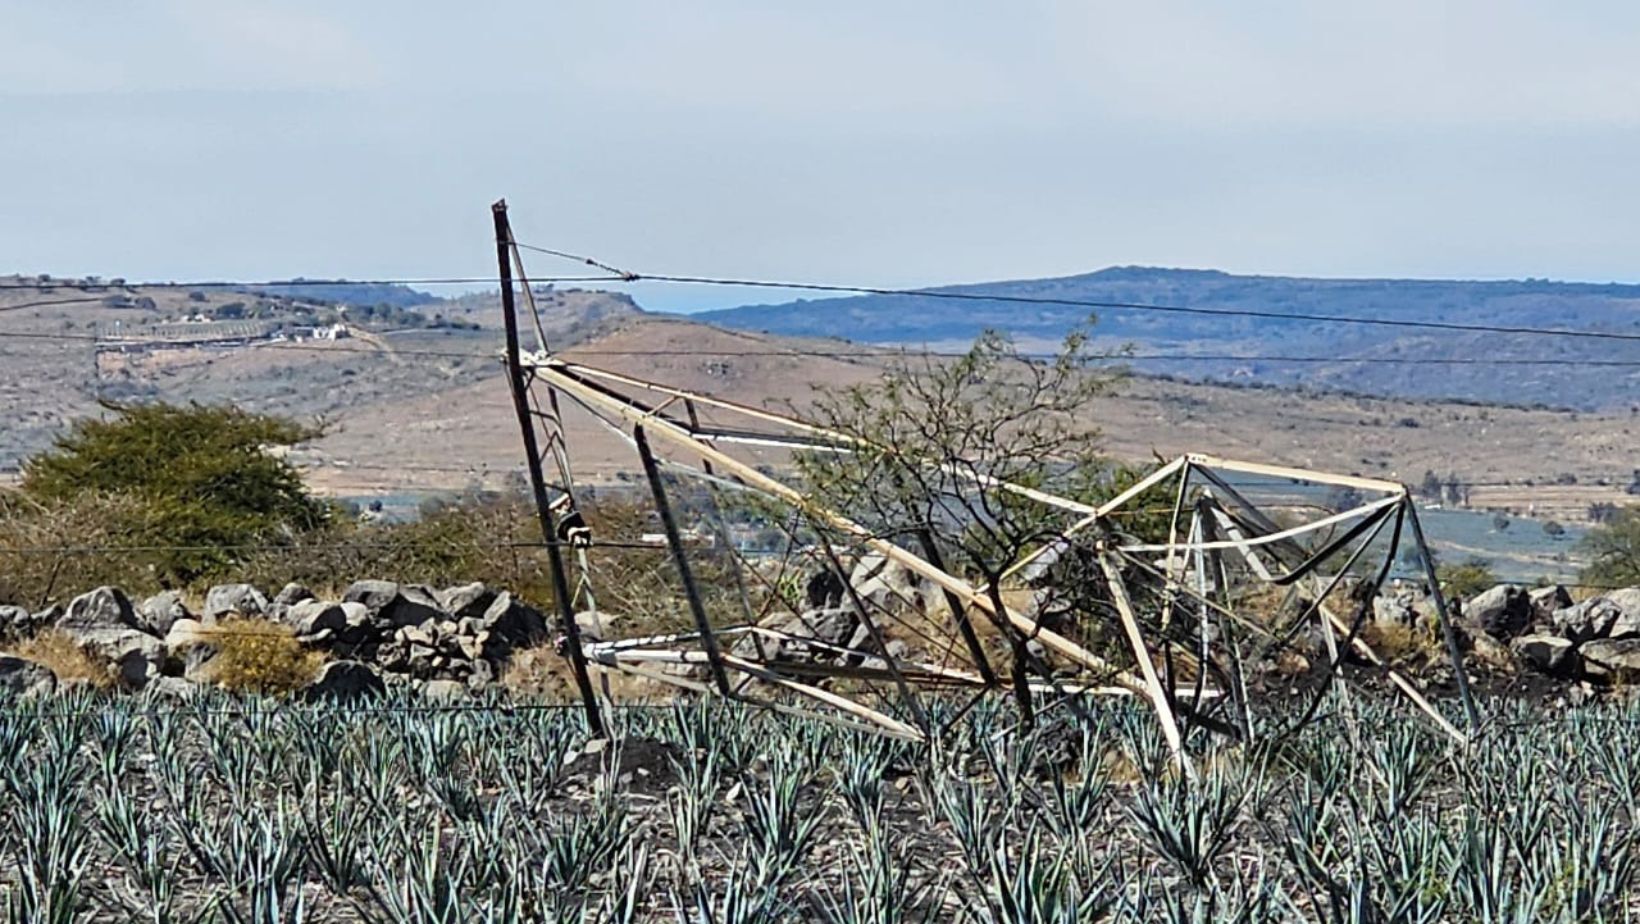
1256,348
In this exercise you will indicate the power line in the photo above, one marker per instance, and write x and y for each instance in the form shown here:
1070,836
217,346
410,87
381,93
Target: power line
82,285
630,276
616,274
1176,309
889,352
626,276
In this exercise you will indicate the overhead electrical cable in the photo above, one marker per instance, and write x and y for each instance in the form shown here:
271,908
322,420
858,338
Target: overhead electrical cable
947,293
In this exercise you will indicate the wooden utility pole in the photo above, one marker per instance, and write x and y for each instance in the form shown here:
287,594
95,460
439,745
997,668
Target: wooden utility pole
538,484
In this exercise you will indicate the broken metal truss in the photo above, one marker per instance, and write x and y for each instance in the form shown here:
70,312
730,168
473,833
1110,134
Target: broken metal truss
1184,648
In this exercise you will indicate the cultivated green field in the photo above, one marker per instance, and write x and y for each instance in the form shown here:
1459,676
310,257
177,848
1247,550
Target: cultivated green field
234,810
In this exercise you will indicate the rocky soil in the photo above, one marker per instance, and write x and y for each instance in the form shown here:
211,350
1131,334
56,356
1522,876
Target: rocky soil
441,641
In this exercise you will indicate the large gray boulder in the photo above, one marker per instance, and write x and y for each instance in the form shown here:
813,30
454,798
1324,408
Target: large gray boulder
1585,621
596,627
184,634
834,627
1502,612
347,627
466,600
878,581
1615,614
233,599
292,594
161,611
104,625
1548,654
1611,659
22,677
345,680
136,657
1545,600
106,609
392,604
512,621
190,649
15,620
1393,611
311,617
1627,604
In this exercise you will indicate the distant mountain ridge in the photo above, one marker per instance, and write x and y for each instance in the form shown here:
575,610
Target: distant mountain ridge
1427,363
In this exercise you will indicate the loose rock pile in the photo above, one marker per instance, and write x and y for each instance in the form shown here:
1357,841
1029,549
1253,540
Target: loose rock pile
1596,640
456,638
832,620
450,641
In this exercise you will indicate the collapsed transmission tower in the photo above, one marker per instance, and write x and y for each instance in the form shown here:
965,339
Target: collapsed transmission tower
893,626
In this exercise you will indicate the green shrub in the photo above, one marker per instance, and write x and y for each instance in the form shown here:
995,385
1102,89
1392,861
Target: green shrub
1614,547
200,480
1466,579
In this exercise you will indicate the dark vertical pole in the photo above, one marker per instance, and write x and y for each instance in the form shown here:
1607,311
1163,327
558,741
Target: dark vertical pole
931,553
1022,655
538,484
1448,631
707,640
721,533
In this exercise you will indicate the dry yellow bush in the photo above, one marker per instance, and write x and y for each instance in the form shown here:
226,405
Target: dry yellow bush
259,656
56,650
1397,643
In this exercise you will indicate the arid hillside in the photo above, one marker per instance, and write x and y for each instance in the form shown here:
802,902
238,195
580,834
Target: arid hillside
418,405
470,429
65,345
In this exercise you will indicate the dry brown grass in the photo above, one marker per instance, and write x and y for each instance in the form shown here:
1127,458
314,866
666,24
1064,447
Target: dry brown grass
259,656
1416,647
56,650
1579,594
1398,643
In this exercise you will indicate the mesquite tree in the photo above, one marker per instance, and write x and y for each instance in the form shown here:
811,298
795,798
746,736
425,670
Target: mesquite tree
935,437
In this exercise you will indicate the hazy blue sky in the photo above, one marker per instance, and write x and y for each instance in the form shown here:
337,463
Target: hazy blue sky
895,143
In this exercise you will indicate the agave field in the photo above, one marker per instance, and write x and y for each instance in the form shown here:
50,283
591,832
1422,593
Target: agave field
225,809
